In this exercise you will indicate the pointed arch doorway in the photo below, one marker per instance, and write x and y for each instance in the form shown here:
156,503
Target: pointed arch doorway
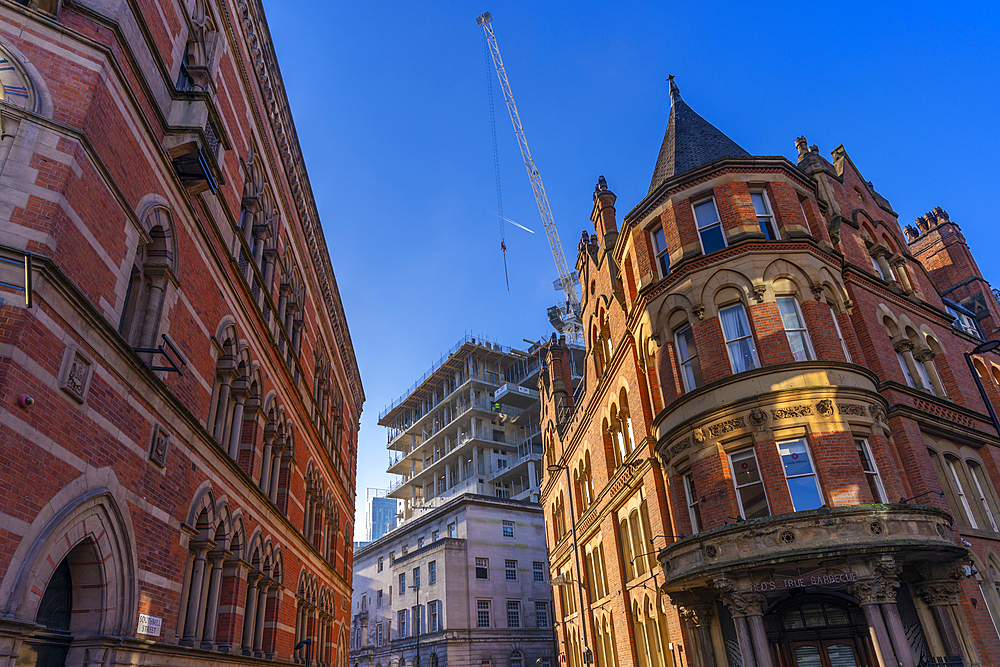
71,604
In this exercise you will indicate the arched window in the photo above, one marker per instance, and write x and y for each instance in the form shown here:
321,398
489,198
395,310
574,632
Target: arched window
983,493
795,328
516,659
144,297
739,338
687,357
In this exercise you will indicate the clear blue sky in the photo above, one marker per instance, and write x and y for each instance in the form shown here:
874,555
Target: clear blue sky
390,105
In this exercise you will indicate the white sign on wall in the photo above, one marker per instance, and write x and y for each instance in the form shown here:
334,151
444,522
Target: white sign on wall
149,625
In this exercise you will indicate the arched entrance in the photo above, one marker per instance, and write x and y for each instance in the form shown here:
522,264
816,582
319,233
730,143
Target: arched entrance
819,631
71,604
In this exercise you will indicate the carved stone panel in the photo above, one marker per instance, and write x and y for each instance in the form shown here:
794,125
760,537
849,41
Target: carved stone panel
158,446
76,373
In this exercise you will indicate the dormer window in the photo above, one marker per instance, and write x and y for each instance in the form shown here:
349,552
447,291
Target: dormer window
764,216
660,250
709,226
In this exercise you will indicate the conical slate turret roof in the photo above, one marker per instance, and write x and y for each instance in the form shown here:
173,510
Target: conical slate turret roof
690,141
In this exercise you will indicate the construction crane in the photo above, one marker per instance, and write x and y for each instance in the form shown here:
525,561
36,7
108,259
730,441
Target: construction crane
565,319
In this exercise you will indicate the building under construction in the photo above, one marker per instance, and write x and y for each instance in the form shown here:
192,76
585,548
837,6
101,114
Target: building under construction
466,441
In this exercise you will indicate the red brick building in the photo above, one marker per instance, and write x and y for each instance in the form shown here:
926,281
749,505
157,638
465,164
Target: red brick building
780,455
179,395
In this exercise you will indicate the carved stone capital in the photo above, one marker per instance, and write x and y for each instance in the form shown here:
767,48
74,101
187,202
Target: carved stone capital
758,292
739,603
874,590
903,345
696,615
923,354
699,312
817,292
939,592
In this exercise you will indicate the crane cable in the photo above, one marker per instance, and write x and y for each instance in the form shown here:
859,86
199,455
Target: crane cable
496,159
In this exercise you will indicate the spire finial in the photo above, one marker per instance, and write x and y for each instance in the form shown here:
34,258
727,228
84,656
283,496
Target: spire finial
675,92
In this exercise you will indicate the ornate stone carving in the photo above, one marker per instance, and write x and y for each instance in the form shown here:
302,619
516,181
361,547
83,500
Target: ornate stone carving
728,426
923,354
876,411
937,593
696,614
850,409
874,590
76,374
680,447
825,407
739,603
903,345
792,411
158,446
758,293
848,306
817,291
698,435
758,418
699,312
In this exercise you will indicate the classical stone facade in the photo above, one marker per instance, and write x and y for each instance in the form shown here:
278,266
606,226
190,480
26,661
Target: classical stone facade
781,456
179,396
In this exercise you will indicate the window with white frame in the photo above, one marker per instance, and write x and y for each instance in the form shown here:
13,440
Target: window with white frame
542,614
960,492
965,322
803,483
432,572
749,486
508,529
513,614
709,226
739,338
694,510
433,620
764,216
416,577
482,568
660,250
840,334
871,472
378,599
380,563
402,583
906,369
539,571
482,613
416,612
687,357
979,481
795,328
451,530
435,536
401,624
420,543
510,570
378,635
516,659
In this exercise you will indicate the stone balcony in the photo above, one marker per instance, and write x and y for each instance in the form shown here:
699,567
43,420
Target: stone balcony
914,533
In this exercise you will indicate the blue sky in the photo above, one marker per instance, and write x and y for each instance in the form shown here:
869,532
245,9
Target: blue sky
391,108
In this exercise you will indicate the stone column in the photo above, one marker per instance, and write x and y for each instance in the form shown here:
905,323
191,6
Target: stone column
743,606
904,346
870,593
218,430
265,463
269,256
258,635
698,618
939,595
195,601
236,428
926,357
212,606
272,489
233,569
154,305
250,616
898,262
297,335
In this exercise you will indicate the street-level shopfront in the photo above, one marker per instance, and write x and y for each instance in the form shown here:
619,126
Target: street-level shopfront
837,587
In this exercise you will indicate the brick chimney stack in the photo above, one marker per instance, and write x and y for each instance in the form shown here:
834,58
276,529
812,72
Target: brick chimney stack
603,215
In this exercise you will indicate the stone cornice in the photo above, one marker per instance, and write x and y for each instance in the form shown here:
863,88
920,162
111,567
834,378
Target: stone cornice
267,76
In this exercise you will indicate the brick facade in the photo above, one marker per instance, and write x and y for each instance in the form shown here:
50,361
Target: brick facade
837,456
179,396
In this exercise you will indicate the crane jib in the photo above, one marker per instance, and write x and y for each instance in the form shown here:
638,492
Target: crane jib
571,323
